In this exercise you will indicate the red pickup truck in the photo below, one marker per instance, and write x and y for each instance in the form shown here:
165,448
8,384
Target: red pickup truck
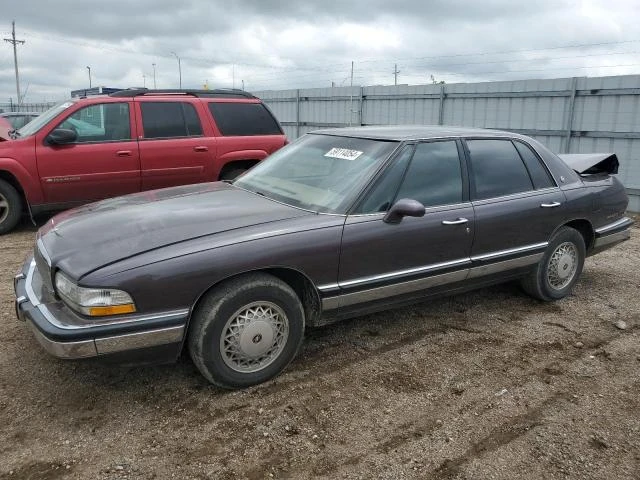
92,148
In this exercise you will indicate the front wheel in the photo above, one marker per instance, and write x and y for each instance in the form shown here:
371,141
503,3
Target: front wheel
10,207
246,331
559,269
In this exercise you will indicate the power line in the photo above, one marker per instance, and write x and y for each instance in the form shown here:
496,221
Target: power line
209,61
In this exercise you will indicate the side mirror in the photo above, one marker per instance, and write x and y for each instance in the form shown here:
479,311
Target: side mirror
61,136
404,207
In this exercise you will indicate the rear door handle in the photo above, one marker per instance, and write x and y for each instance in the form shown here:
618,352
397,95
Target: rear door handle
201,149
459,221
550,205
123,153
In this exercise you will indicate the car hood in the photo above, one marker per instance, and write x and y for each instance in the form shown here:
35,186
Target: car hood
86,238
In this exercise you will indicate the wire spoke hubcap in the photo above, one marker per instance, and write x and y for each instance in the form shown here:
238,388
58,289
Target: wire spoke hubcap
254,337
562,267
4,208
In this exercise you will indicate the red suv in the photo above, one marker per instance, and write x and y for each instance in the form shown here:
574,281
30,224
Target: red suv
92,148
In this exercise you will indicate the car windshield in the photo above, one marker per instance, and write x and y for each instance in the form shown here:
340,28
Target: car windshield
37,123
322,173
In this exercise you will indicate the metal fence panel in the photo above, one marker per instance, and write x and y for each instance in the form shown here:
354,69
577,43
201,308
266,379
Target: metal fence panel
26,107
576,115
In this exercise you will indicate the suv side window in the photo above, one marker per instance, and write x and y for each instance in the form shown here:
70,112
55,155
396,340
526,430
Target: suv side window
434,176
102,122
170,120
243,119
539,173
497,169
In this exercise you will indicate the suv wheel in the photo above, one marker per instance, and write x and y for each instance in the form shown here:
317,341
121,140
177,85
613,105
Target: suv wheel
10,207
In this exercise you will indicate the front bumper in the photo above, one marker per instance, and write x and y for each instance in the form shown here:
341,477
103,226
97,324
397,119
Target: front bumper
64,334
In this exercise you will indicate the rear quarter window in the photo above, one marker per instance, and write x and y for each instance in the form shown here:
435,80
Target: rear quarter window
243,119
539,174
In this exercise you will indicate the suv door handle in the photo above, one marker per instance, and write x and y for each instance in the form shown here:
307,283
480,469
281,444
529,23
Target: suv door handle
459,221
550,205
123,153
201,148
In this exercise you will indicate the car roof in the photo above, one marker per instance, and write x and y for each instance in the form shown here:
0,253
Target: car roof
412,132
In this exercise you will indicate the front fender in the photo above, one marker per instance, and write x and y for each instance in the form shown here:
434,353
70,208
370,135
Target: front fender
29,181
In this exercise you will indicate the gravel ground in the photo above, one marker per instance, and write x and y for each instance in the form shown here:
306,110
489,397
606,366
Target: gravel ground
490,384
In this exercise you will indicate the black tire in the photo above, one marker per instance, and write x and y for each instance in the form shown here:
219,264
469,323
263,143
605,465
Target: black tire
550,279
10,207
215,315
232,173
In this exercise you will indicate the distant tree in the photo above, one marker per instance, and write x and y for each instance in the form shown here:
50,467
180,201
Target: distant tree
436,82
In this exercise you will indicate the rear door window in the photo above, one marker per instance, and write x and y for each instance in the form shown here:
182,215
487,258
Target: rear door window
497,169
243,119
170,120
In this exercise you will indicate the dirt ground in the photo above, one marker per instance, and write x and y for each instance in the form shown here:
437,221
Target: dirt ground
490,384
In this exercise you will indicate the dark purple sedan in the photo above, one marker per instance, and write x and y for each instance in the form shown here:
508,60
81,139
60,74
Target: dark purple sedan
340,223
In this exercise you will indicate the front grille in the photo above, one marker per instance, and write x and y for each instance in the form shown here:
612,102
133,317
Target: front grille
43,267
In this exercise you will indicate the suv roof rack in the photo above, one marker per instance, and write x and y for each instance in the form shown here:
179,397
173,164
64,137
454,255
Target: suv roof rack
216,93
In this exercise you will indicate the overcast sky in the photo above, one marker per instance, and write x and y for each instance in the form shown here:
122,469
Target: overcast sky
276,44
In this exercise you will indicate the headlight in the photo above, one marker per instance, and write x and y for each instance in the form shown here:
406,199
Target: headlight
95,302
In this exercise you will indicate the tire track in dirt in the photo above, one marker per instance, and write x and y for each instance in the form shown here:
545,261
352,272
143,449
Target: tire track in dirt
498,437
417,428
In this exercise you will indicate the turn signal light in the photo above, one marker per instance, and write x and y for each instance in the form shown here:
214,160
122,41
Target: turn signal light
112,310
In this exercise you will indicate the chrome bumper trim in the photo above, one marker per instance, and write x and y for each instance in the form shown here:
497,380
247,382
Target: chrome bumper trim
610,240
626,221
138,340
65,350
103,346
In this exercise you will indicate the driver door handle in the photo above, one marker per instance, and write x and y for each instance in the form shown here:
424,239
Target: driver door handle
459,221
201,149
550,205
123,153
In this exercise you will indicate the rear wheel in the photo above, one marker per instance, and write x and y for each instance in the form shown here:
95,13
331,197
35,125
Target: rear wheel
10,207
246,331
560,267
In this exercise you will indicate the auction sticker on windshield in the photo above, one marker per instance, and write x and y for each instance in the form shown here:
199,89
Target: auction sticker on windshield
343,153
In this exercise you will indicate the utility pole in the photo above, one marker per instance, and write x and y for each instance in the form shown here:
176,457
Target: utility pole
179,67
154,75
351,96
14,42
144,81
395,74
89,70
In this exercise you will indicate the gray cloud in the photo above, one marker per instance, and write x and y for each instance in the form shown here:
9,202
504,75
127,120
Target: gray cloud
283,44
